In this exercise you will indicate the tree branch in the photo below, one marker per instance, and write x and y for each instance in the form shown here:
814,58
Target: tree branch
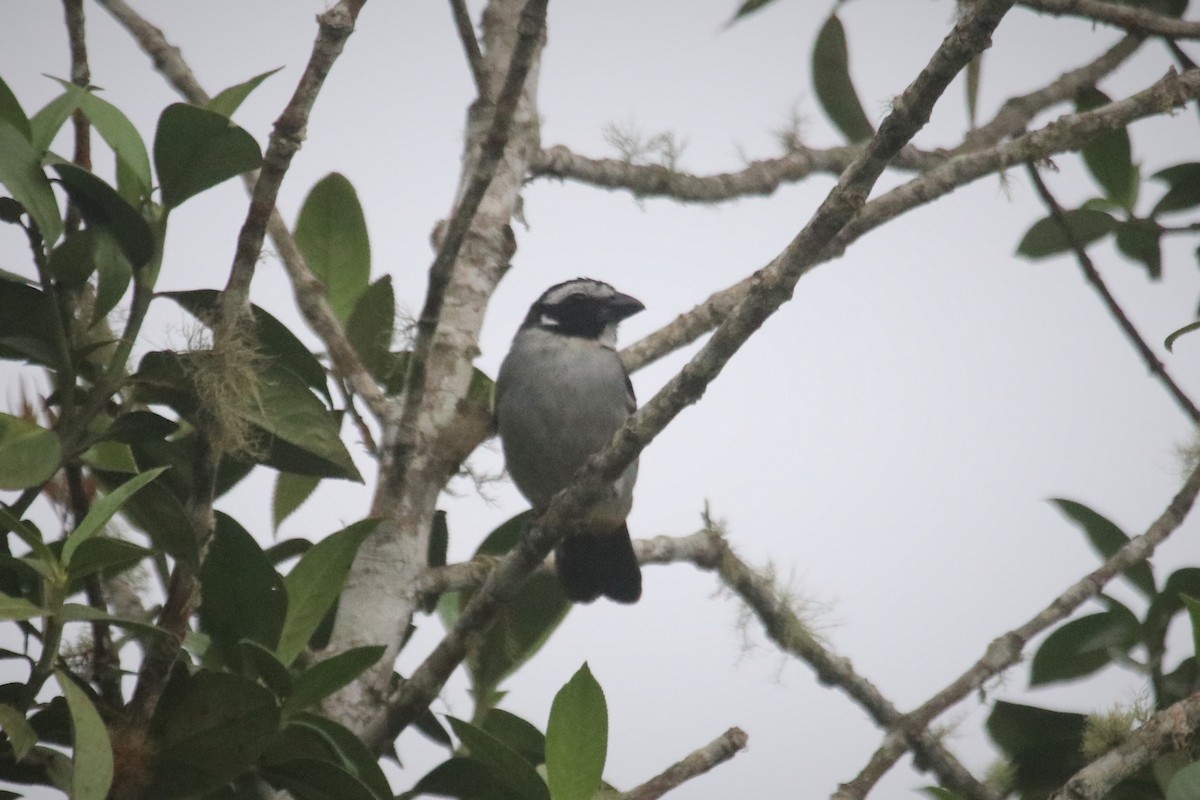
772,287
716,752
1131,18
335,26
1069,132
1156,367
466,33
765,176
531,27
1006,650
1173,728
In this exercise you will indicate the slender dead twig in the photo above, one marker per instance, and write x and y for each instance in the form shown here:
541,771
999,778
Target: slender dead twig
1131,18
466,33
764,176
1156,367
716,752
772,287
1069,132
1006,649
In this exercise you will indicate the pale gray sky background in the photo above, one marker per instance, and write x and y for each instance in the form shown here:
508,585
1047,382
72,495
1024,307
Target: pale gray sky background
887,441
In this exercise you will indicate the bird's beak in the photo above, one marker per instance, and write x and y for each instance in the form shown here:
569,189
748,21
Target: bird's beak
621,306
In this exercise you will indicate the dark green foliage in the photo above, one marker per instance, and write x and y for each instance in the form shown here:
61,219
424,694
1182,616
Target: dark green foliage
196,149
833,85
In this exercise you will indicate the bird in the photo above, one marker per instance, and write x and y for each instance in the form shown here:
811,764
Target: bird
561,394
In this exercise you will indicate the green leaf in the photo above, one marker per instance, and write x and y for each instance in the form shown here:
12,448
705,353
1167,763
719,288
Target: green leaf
18,608
517,733
315,583
21,173
326,677
288,548
261,663
1083,646
350,751
1167,603
1183,193
1046,237
242,596
113,273
136,425
1186,783
77,612
92,761
103,510
974,69
577,738
332,233
45,124
518,778
196,149
372,326
72,262
1108,156
1107,539
21,735
313,779
1043,746
227,100
749,7
104,554
27,324
1193,609
461,777
29,454
133,163
31,536
208,728
288,410
102,207
1139,239
111,457
290,493
12,113
1170,340
835,89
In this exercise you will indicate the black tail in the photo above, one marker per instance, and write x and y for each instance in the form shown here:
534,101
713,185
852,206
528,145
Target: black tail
594,564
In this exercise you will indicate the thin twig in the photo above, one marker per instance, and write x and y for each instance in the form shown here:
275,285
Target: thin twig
713,754
1006,649
709,551
466,33
1114,309
763,177
1171,729
81,76
772,288
1131,18
1069,132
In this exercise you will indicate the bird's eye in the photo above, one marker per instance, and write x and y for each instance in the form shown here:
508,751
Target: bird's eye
576,297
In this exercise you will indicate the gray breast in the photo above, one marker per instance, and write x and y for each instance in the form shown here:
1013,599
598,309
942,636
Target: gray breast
560,400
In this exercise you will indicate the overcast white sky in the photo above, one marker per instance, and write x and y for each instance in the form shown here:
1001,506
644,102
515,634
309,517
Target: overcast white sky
887,441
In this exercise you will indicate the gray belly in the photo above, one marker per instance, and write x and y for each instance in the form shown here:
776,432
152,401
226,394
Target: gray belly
551,423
